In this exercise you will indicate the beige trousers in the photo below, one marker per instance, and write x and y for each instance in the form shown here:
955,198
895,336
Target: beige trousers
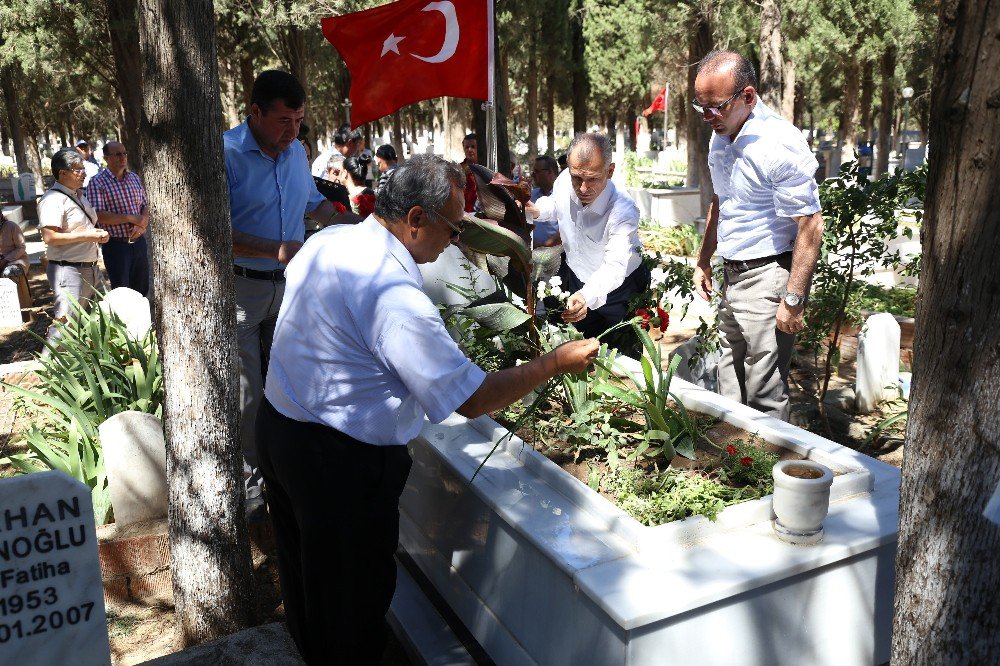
755,354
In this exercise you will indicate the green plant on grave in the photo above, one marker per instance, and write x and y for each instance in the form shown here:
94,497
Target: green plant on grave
96,371
891,429
681,240
633,162
669,430
860,217
746,464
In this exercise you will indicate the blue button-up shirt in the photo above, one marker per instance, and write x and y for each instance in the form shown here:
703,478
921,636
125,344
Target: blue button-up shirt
267,197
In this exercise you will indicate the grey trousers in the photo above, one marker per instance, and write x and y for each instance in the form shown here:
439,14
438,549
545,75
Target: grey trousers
257,304
71,283
755,354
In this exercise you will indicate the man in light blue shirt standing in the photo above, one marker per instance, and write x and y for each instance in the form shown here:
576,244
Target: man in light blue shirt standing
765,222
361,356
270,190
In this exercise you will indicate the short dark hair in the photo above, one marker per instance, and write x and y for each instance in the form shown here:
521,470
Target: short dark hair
386,152
424,180
273,85
549,162
64,159
470,137
587,143
743,72
344,135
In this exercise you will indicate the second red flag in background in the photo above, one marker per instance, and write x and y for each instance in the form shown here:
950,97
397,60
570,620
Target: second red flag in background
413,50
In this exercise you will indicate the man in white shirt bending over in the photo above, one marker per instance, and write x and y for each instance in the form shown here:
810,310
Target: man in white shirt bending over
599,231
360,356
766,224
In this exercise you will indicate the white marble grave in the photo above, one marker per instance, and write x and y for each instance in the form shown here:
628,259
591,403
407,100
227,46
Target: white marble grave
132,308
878,361
51,599
10,305
135,457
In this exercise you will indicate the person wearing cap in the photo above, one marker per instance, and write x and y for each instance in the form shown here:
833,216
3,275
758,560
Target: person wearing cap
361,357
385,158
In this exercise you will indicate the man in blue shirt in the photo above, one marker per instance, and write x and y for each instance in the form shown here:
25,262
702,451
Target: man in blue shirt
270,190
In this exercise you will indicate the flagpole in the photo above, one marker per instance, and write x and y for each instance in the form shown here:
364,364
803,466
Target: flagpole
489,106
666,112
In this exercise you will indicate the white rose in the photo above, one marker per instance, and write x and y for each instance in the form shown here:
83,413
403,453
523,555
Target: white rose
556,291
556,281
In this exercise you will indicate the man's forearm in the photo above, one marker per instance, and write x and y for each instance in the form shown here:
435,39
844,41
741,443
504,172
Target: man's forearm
710,241
805,254
247,245
106,218
326,215
503,387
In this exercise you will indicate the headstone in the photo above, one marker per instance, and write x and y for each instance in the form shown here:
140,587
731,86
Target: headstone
704,371
135,457
15,214
878,361
10,304
132,308
453,268
51,599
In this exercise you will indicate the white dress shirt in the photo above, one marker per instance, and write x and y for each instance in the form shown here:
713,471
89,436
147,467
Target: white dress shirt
601,241
358,346
764,179
67,210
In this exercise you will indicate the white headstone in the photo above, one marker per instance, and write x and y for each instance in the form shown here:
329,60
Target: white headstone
878,361
51,599
453,268
135,458
10,305
132,308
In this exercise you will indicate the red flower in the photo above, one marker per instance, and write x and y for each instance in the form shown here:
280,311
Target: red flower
646,317
663,317
339,207
746,461
731,450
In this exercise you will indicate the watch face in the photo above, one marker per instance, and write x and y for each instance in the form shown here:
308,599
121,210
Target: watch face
792,299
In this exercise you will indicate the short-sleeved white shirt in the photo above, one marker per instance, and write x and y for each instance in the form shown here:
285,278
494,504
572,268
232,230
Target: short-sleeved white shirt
65,210
358,346
764,179
601,240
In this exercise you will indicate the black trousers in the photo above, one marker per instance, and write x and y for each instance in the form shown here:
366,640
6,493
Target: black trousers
127,263
334,503
614,311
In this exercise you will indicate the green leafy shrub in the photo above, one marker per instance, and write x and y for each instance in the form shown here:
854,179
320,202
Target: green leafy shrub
682,240
96,371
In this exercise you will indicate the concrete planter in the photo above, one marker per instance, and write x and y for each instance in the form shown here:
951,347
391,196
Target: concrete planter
668,207
543,570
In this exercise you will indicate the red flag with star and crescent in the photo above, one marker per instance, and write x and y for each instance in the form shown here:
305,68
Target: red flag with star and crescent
412,50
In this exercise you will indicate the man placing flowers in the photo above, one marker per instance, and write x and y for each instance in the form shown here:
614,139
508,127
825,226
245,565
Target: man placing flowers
360,357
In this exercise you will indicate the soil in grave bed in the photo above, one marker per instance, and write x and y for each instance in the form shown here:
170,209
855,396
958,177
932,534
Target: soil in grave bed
731,465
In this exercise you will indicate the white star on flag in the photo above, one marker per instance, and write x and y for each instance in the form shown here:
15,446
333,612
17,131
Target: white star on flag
391,43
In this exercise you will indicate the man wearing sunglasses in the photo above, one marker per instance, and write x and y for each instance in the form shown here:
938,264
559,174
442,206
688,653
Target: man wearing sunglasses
764,222
360,356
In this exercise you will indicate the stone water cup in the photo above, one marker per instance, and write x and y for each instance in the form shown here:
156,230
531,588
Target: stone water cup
801,500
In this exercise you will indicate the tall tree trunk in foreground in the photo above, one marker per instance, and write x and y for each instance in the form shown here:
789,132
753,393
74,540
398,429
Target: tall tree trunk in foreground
770,54
948,561
887,97
196,319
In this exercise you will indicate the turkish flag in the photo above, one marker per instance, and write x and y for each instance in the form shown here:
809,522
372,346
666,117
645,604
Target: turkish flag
659,104
413,50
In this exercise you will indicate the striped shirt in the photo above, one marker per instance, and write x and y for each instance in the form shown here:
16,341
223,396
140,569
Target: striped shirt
764,179
125,197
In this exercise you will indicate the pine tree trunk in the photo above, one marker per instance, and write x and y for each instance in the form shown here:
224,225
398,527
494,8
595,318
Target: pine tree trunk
550,119
196,321
532,84
770,54
11,103
789,90
124,38
867,91
698,131
887,97
948,560
577,49
847,132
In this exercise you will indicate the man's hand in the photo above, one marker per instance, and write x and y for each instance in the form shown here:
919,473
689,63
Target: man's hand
531,210
576,355
703,281
788,319
576,309
135,232
99,235
287,250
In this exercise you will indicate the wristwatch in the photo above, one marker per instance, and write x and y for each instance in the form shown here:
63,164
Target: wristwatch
793,300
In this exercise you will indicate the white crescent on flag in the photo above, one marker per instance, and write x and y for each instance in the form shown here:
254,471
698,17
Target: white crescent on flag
451,31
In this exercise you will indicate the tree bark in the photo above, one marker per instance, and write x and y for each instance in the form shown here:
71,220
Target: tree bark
867,90
124,38
196,322
887,97
790,92
948,558
581,86
532,84
11,103
847,131
397,134
550,119
698,131
771,61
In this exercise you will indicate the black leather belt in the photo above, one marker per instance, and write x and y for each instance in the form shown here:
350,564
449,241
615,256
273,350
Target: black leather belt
74,264
274,276
738,266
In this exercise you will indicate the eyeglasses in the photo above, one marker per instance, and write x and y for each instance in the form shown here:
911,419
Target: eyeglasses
456,229
77,169
716,110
